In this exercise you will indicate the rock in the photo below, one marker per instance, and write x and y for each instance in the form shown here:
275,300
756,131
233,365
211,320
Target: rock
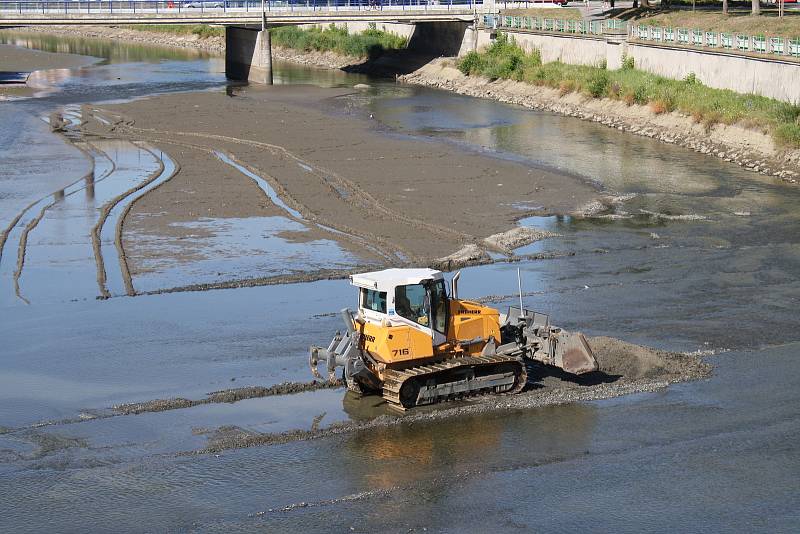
362,86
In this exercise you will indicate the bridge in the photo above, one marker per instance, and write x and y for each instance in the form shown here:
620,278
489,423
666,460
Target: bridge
248,50
232,12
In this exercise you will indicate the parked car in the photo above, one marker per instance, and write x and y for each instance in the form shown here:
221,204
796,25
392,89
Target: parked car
201,4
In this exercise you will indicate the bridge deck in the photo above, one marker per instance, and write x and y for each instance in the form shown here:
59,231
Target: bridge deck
219,13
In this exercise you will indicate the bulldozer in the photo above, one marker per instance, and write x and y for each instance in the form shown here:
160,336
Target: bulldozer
415,344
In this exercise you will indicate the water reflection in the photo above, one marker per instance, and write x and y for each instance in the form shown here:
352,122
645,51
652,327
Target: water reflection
111,51
405,455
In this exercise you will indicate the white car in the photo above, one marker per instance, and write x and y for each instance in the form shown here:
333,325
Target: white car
204,3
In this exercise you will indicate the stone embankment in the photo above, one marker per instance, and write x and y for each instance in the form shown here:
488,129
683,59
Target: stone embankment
752,149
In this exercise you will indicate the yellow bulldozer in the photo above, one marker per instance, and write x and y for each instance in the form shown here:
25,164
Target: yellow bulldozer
414,344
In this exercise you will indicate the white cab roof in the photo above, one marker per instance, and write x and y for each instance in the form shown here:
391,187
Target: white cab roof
389,278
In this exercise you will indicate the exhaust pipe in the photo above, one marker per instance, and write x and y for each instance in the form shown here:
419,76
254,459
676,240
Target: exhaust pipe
454,285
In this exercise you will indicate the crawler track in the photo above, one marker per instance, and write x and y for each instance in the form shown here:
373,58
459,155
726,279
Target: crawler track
454,379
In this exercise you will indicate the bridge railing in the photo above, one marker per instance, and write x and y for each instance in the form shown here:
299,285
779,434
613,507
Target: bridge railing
704,40
56,7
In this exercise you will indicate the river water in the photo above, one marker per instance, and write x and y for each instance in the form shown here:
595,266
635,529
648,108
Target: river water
705,256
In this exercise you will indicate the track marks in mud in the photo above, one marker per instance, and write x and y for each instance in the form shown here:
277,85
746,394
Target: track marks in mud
123,202
226,396
158,178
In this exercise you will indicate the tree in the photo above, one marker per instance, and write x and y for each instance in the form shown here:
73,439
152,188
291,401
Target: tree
756,7
724,7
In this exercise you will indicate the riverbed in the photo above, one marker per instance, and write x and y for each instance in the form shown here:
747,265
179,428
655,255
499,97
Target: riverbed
695,255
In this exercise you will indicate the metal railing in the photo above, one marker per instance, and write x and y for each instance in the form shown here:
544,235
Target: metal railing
541,24
57,7
703,40
693,38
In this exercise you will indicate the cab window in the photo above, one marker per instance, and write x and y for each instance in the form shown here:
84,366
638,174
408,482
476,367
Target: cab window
373,300
411,302
416,301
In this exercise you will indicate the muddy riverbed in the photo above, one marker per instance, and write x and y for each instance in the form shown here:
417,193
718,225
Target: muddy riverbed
194,410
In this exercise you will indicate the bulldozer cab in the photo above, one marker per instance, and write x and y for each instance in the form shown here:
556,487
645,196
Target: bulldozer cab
408,297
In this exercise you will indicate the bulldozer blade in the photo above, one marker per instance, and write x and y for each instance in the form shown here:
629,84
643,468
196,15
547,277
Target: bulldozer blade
574,355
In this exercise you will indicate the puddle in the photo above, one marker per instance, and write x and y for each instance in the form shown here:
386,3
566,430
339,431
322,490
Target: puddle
235,249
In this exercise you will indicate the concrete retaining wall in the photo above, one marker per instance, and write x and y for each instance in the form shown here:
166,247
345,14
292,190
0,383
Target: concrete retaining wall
774,79
572,50
767,77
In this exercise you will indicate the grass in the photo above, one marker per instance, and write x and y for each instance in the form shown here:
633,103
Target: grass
204,31
504,59
565,13
739,22
369,43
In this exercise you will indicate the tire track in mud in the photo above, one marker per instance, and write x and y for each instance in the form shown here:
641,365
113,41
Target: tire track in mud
298,212
344,231
22,243
127,199
95,237
390,252
22,246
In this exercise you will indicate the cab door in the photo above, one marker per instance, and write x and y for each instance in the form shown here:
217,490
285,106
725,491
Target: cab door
424,308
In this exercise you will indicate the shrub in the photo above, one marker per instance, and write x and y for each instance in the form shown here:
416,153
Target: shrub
472,63
640,95
691,79
598,83
627,63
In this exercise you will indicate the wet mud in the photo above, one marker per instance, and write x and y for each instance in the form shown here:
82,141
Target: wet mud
625,368
333,175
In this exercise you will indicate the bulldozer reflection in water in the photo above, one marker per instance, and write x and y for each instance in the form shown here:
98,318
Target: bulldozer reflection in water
409,455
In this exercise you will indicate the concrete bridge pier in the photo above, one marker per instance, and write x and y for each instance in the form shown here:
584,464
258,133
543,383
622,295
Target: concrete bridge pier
248,54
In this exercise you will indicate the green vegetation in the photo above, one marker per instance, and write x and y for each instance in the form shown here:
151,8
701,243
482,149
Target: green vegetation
504,59
369,43
204,31
564,13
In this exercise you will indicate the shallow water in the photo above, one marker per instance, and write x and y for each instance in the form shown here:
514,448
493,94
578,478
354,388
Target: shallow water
716,455
238,248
